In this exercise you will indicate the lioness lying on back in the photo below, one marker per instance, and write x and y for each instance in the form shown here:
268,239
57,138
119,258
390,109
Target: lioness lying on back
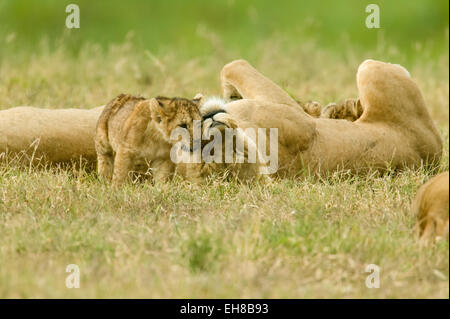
133,135
393,127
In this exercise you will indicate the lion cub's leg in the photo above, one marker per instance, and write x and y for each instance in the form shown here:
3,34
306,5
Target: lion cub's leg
240,80
105,154
123,165
129,157
103,148
349,110
105,165
163,170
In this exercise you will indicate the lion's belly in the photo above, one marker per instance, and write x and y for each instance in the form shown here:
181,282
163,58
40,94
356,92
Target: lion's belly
341,144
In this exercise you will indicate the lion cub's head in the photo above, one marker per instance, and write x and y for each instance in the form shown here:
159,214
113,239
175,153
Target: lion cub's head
169,114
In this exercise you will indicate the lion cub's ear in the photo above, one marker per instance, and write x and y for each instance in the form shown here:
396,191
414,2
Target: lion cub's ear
198,99
156,110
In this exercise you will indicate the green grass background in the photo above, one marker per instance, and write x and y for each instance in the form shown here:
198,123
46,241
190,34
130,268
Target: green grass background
178,24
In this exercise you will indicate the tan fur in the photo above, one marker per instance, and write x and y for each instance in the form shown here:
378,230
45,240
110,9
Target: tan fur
313,108
349,110
133,135
48,135
431,206
395,129
198,172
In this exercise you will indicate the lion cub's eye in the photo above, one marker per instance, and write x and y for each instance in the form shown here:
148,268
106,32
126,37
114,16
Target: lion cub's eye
184,125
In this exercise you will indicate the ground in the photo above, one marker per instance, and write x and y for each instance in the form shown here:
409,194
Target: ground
295,238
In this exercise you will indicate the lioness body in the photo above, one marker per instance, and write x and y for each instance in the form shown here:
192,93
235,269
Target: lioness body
394,130
49,135
431,206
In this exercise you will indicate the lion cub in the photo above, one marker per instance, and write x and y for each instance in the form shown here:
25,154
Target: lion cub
133,135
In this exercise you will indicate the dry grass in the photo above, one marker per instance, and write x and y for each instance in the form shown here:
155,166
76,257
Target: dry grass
291,239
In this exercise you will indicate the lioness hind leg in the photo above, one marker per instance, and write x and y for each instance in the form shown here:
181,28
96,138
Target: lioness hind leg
240,80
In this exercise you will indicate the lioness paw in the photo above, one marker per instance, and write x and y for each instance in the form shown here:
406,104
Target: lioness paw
313,108
349,110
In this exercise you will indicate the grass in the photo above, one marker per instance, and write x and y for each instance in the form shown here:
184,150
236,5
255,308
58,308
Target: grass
309,238
186,26
293,239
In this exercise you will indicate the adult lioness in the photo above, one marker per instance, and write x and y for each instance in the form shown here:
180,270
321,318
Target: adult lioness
395,129
133,135
431,206
48,135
